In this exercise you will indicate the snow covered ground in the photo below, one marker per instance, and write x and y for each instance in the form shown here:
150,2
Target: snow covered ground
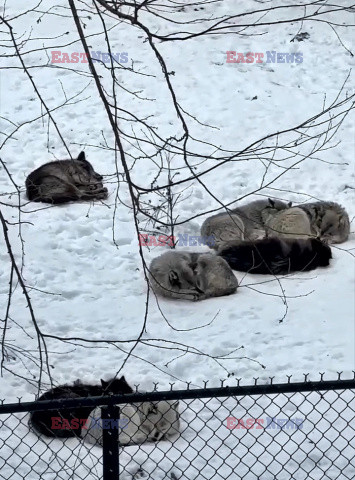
87,278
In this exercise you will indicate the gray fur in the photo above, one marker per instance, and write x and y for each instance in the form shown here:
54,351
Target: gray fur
191,276
253,214
242,223
223,227
64,181
329,221
293,222
142,422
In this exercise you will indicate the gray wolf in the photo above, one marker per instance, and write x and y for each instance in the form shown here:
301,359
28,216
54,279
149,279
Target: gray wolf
42,421
277,256
64,181
246,222
138,423
329,221
191,276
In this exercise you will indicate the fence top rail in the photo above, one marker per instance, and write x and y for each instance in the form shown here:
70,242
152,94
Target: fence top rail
239,391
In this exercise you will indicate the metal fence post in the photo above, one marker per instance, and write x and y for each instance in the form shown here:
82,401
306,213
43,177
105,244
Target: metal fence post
110,417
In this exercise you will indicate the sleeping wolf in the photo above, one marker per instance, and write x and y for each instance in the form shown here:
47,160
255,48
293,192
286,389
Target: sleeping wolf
276,255
246,222
138,423
64,181
191,276
329,221
42,421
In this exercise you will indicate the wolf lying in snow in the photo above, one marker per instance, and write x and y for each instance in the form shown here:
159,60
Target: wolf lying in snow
246,222
276,255
64,181
191,276
43,421
329,221
138,423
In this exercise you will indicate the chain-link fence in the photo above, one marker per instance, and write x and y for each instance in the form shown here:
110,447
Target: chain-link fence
259,432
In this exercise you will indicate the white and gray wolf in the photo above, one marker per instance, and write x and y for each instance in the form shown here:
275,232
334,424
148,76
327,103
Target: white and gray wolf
138,423
329,221
71,420
246,222
276,255
191,276
64,181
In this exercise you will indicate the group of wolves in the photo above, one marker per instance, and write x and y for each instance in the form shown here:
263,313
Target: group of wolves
264,236
71,180
138,422
326,221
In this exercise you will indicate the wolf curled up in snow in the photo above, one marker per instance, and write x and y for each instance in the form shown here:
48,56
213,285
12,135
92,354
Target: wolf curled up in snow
191,276
329,221
276,255
64,181
139,422
42,421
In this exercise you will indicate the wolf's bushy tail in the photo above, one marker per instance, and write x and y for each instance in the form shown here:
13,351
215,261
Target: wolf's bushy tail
277,256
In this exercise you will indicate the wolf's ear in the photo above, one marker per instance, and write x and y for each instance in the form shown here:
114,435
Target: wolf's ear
103,383
289,204
272,203
174,278
122,379
81,157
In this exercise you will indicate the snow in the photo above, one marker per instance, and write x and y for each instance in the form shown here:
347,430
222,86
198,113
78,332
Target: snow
83,261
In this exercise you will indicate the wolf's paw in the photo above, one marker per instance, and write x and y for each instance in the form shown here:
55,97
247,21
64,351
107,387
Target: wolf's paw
198,296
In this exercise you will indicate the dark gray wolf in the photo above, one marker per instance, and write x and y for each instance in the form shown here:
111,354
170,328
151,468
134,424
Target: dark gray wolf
42,421
329,221
64,181
246,222
277,256
191,276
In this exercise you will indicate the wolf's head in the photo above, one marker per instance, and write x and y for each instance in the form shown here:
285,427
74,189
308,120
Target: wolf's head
175,271
88,167
334,227
116,386
272,208
159,420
